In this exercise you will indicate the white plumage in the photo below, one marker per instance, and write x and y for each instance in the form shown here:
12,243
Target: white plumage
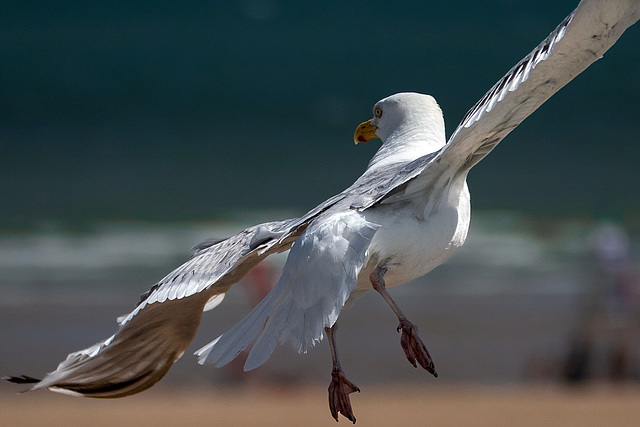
318,277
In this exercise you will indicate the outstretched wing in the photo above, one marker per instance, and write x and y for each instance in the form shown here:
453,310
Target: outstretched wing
165,320
581,39
163,324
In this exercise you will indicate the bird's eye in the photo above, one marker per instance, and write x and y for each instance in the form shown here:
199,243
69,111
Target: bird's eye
377,112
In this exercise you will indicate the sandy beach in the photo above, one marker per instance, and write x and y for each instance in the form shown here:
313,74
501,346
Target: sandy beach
412,405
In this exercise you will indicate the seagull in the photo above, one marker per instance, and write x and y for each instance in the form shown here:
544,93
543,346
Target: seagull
408,213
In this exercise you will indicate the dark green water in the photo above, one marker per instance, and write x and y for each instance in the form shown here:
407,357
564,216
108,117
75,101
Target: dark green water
159,111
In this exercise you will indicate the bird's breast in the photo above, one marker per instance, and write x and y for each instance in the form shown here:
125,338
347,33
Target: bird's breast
418,234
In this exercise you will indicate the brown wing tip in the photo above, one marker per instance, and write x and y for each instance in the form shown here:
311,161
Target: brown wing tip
22,379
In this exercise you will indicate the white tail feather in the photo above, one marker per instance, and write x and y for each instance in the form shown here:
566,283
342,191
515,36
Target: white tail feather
320,273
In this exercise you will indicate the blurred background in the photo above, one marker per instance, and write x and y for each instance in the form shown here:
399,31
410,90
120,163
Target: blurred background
131,131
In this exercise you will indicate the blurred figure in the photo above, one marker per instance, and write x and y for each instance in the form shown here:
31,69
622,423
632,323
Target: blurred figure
611,324
576,368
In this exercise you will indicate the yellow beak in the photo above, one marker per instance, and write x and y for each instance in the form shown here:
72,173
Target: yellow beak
365,132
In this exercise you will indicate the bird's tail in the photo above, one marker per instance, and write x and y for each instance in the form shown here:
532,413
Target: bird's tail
319,275
241,335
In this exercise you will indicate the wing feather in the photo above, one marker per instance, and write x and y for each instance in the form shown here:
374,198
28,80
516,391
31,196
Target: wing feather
163,324
580,39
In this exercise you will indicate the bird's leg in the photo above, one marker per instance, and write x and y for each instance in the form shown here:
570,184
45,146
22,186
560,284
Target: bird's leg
340,386
413,347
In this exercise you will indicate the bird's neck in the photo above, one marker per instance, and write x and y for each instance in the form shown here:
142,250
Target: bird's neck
408,144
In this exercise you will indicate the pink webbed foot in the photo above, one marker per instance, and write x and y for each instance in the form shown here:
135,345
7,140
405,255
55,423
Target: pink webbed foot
414,348
339,391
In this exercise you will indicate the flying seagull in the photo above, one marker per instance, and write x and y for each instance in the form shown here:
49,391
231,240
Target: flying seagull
408,213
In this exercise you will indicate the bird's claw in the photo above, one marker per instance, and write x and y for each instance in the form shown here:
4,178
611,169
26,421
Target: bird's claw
339,391
414,348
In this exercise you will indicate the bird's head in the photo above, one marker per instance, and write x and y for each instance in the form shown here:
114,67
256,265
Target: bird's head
401,113
409,124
